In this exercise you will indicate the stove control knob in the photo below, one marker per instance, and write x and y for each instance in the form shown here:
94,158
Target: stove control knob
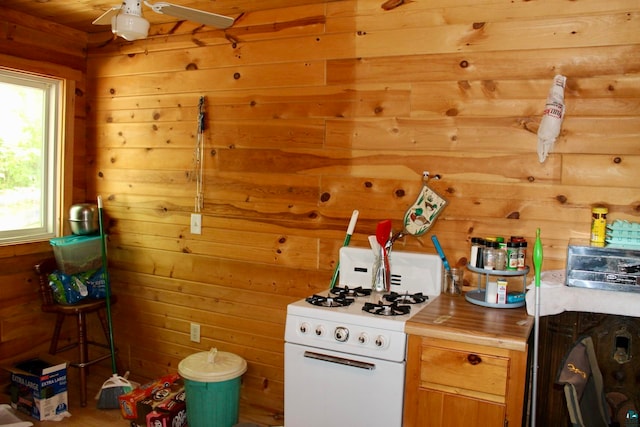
381,341
319,331
363,338
304,328
341,334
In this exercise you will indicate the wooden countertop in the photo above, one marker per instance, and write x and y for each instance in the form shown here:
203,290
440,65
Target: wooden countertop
454,318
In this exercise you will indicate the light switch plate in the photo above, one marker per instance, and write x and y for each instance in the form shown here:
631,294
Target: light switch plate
195,332
196,223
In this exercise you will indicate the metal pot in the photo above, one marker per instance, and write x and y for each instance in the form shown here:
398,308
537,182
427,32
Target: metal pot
83,218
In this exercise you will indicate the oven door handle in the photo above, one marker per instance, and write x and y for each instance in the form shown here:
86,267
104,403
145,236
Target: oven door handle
340,360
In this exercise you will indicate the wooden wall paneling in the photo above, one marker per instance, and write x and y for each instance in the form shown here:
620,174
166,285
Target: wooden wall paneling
316,110
519,64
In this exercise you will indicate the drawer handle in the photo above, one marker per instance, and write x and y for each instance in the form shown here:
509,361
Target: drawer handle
474,359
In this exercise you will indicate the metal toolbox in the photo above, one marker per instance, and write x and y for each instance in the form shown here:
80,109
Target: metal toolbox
607,268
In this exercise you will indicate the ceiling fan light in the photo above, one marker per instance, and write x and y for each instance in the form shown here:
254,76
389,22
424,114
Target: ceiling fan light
129,27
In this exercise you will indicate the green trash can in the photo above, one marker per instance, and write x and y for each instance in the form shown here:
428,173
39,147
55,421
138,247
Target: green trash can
212,387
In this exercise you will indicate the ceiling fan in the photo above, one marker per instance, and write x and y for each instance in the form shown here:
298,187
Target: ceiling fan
127,22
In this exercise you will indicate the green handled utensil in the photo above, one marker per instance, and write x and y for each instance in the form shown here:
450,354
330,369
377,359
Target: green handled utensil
537,265
347,239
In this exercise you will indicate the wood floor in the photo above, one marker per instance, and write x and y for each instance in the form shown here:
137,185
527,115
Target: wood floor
90,416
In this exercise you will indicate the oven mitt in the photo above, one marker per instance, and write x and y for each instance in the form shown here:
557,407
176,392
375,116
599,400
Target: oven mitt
421,215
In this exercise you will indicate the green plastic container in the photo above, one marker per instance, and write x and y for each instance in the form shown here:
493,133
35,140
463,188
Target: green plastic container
212,387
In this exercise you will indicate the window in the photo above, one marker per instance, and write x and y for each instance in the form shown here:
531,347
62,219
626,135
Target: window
29,134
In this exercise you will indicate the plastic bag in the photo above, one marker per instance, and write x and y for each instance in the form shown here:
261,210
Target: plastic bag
72,288
551,118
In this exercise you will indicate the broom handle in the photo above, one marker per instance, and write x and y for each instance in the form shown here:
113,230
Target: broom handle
537,264
107,286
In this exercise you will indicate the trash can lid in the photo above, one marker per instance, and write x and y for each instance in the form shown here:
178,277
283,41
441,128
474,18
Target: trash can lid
212,366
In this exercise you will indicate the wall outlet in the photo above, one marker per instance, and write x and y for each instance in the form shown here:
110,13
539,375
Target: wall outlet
195,332
196,223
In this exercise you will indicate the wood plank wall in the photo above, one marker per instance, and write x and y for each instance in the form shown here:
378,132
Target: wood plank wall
314,111
341,107
41,47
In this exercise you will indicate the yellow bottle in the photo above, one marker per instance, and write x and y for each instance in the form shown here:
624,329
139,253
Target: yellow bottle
598,225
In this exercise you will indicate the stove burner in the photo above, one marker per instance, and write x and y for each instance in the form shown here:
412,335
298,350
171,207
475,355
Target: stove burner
382,309
406,298
348,292
329,301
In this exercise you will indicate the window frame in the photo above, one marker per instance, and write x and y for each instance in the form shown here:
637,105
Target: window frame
54,175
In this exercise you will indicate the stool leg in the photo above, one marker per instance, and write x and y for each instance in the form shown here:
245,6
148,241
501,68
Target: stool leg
83,351
53,347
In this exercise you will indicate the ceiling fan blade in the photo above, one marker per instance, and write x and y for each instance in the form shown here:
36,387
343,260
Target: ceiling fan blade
195,15
105,18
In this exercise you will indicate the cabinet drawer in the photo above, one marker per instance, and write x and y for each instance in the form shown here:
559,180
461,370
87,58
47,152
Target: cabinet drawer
477,375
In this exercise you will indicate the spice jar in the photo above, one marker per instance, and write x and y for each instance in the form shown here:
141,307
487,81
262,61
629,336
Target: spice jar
489,255
512,255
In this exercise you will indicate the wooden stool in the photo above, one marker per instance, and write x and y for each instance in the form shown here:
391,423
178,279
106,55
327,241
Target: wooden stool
79,311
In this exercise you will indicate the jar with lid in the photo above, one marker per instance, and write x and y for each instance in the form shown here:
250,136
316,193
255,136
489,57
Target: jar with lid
522,255
489,255
512,255
477,246
501,257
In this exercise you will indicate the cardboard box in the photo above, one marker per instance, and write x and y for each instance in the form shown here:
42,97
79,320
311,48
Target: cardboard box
129,401
171,412
39,387
157,400
502,291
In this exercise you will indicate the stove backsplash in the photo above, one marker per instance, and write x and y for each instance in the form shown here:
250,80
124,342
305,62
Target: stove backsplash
410,271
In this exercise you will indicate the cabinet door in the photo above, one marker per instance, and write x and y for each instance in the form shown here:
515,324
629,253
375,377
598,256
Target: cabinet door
451,384
437,409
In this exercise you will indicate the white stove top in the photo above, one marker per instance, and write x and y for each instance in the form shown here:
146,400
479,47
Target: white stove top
350,329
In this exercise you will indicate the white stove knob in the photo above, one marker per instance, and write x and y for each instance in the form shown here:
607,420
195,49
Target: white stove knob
381,341
363,338
341,334
304,328
319,330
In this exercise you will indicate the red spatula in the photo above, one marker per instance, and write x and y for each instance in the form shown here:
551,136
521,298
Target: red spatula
383,232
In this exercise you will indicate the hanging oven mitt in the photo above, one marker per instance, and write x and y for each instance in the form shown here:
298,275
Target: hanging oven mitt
421,215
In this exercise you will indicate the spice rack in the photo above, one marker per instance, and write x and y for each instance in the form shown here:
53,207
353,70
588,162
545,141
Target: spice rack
477,296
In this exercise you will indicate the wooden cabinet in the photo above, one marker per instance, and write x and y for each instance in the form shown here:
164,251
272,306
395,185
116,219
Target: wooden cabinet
459,378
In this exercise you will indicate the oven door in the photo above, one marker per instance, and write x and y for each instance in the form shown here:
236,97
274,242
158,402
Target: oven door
330,389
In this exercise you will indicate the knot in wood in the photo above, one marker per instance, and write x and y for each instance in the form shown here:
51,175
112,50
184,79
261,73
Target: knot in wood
400,193
464,64
561,198
236,76
474,359
368,184
617,160
324,197
478,25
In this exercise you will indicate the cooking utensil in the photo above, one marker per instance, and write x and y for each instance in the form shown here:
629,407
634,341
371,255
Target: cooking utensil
347,239
436,243
383,233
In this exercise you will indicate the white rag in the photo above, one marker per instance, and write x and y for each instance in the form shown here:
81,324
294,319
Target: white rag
556,297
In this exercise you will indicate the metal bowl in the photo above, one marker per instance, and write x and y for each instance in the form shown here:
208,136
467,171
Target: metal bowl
83,218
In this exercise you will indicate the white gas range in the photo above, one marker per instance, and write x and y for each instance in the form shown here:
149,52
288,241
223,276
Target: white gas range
347,347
